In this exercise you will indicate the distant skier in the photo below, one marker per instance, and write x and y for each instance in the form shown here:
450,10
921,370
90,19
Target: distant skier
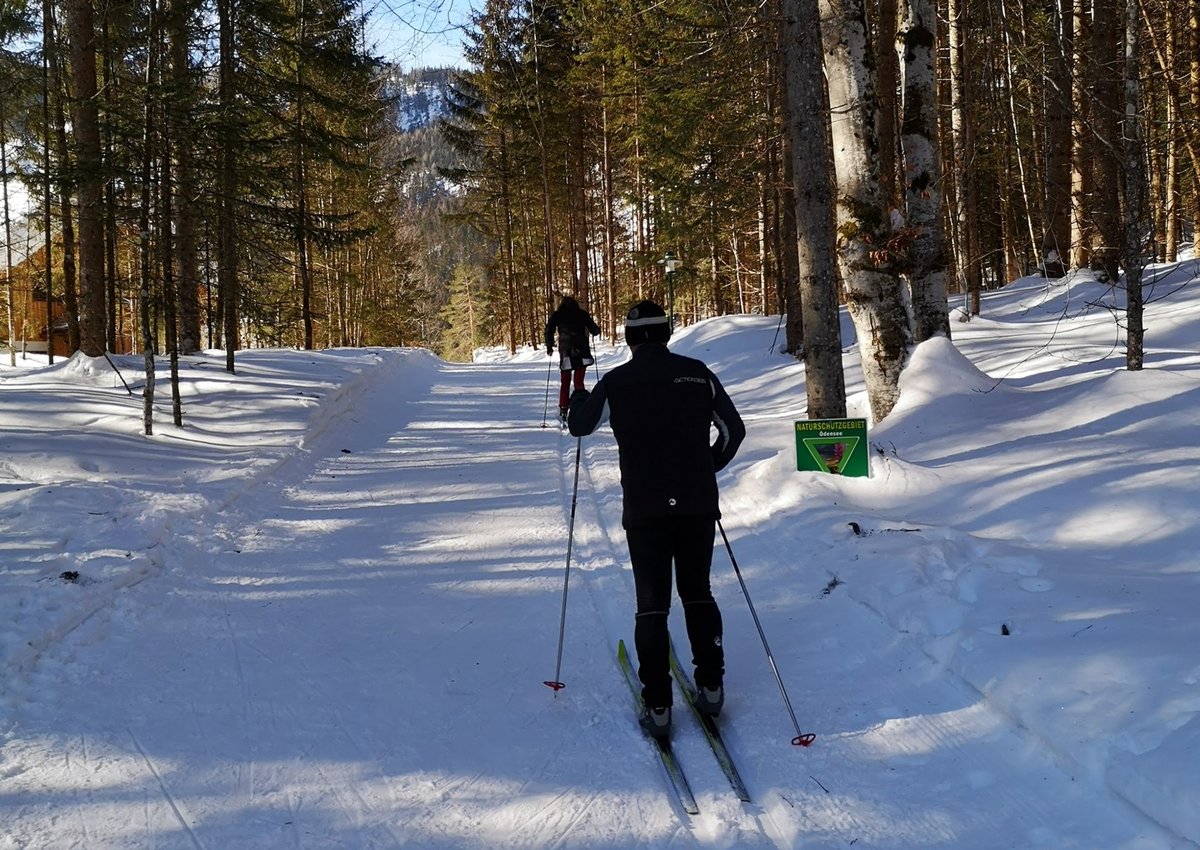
573,324
662,407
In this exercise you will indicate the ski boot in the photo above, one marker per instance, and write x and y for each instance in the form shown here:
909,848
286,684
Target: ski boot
710,701
656,722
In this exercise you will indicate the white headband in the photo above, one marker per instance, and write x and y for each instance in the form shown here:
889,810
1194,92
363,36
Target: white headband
649,320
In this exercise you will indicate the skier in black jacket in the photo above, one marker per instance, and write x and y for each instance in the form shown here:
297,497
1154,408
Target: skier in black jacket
662,407
574,350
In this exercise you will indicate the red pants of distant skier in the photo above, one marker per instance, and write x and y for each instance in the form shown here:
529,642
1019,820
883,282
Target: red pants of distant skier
688,543
567,375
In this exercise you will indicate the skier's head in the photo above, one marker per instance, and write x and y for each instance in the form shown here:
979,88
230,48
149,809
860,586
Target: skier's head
569,302
646,322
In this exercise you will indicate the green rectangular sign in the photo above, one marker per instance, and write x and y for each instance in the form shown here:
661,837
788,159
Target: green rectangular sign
832,445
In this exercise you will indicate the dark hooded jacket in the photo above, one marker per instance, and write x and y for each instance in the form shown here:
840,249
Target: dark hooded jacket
662,407
574,325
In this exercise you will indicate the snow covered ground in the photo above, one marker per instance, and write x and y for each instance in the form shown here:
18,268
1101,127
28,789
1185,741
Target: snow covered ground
320,614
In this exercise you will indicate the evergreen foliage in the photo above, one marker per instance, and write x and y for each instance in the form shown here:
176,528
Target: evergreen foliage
292,190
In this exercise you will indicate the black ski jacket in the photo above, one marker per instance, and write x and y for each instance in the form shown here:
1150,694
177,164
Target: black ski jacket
662,407
574,345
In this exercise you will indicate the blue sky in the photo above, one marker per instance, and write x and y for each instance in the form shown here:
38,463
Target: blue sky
411,33
417,33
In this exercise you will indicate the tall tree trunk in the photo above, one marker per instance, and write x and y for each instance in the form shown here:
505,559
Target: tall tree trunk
145,288
8,257
65,191
539,119
182,138
48,56
227,256
874,293
300,190
579,206
1193,130
113,304
1106,142
1171,186
166,261
166,243
1155,137
1179,132
1017,248
610,242
1011,261
1081,147
1134,183
888,76
808,132
787,239
91,183
1056,237
916,41
1174,131
640,204
510,272
967,257
766,274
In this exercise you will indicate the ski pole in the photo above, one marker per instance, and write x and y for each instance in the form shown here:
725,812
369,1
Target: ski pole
802,739
556,684
546,405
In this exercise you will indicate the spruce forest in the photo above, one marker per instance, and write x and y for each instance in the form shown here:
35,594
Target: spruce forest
239,173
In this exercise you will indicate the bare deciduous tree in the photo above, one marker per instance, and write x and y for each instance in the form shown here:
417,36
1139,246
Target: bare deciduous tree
874,291
916,43
808,132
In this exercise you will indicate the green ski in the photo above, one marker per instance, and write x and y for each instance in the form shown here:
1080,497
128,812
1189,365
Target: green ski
711,732
674,772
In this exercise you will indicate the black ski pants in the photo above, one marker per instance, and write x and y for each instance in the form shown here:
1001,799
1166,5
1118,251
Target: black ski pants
686,542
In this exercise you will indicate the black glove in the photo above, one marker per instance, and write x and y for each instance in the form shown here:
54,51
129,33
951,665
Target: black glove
549,350
578,400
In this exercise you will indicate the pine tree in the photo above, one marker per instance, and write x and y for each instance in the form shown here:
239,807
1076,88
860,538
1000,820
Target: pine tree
466,316
86,130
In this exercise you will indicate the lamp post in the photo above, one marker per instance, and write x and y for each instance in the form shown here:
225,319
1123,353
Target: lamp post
670,263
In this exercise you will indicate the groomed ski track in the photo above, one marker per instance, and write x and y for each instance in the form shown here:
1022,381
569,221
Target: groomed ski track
360,655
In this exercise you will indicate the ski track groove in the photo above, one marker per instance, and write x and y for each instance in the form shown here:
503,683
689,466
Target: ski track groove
294,820
569,828
239,669
536,773
89,793
187,829
367,750
557,830
354,806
